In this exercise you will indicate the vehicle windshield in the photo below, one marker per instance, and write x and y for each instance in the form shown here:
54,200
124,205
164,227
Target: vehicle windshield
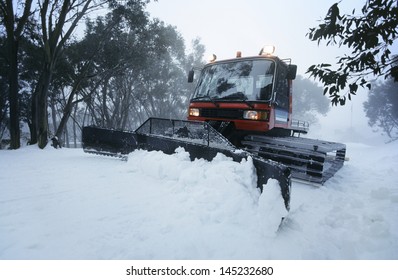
249,80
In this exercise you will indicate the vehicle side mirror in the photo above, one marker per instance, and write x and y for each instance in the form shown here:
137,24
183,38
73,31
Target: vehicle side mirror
292,72
190,76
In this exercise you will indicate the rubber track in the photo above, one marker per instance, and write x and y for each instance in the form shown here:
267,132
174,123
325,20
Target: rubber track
310,160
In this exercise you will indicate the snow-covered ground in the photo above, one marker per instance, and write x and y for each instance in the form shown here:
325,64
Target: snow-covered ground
65,204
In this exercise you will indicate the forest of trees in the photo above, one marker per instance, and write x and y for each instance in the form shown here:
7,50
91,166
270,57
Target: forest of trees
124,68
62,66
382,108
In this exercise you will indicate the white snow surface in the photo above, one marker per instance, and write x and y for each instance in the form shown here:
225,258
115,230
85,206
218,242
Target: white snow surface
66,204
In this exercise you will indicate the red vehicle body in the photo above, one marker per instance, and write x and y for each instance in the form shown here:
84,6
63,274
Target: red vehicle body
252,93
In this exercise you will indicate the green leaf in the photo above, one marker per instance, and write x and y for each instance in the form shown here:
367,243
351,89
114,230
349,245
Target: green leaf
342,101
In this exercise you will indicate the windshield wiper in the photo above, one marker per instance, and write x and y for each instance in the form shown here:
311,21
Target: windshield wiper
239,96
247,103
206,97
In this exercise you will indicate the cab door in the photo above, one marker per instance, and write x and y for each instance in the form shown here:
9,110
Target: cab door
282,97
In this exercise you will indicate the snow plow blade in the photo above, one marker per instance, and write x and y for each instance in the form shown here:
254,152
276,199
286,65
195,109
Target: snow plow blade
199,139
110,142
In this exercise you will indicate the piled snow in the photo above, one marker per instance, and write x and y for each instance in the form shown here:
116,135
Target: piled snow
65,204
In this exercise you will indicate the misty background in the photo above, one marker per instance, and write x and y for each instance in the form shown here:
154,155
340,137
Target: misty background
124,63
225,27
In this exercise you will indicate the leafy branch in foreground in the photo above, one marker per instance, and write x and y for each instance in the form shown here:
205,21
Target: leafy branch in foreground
370,36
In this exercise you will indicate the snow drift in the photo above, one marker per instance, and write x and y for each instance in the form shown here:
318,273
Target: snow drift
64,204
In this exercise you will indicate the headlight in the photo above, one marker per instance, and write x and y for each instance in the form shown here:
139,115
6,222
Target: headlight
194,112
255,115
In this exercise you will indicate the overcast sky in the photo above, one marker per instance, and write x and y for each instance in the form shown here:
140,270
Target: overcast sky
226,26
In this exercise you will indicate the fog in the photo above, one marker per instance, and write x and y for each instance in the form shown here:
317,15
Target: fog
227,26
347,124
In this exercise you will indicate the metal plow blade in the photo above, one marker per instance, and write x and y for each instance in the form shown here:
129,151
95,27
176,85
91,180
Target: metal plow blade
107,141
199,139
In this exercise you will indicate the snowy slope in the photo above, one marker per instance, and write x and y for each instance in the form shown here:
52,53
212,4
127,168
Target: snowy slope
65,204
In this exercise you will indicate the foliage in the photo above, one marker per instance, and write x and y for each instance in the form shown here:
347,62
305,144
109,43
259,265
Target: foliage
59,19
382,107
125,68
138,72
370,36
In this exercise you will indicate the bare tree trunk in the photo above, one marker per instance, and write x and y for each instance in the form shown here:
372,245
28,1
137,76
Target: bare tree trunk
42,106
66,138
66,114
33,123
13,97
14,27
74,127
105,115
53,114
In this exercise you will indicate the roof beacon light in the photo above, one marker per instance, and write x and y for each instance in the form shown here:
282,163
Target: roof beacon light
212,58
267,50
